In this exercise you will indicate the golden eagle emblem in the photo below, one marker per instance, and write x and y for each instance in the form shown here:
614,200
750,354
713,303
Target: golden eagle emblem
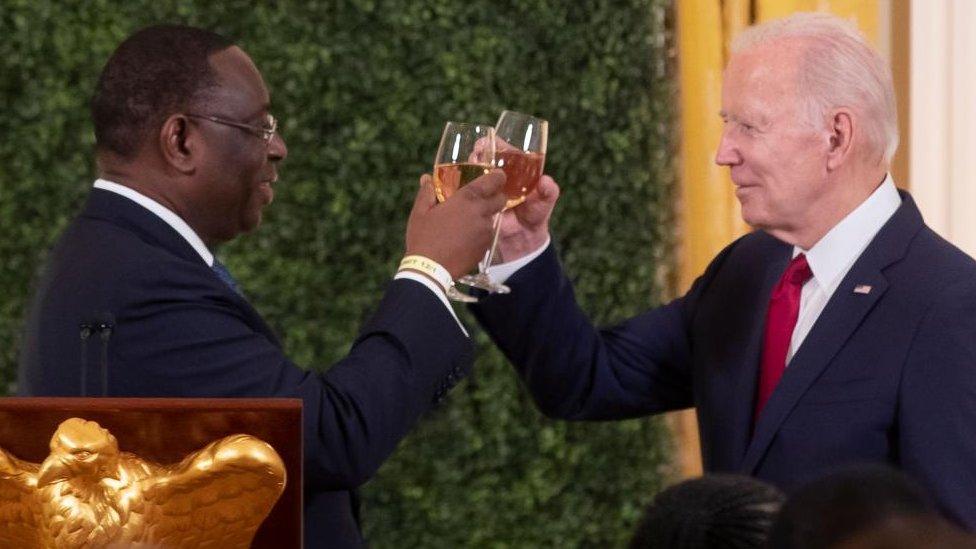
89,494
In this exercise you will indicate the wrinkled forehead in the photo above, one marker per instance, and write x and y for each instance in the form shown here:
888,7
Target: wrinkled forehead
764,77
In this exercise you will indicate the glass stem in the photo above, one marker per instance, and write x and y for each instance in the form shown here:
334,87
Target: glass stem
490,254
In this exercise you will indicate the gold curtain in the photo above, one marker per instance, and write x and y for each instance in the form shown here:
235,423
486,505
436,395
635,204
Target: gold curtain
708,210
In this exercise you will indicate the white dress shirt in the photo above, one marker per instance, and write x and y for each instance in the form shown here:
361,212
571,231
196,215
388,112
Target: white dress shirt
163,213
833,255
501,272
196,242
830,259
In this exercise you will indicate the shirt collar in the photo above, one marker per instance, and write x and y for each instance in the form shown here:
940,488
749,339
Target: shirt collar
164,213
836,252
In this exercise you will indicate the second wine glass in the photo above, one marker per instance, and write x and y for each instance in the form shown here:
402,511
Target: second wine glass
520,151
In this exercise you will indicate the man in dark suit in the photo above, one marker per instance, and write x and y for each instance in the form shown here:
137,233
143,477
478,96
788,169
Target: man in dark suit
843,330
133,303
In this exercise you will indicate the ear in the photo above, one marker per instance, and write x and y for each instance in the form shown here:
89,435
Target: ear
840,128
179,144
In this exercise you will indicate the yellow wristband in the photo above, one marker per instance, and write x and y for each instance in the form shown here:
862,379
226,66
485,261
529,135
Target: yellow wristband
428,267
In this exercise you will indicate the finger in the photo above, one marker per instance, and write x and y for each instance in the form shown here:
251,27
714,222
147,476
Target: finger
482,152
548,189
487,185
496,203
497,199
426,197
503,146
546,192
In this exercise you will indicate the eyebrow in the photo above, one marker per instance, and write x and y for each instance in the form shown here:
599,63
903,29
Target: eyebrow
755,119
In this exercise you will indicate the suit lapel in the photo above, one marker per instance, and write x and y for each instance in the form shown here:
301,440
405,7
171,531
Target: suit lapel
837,323
744,383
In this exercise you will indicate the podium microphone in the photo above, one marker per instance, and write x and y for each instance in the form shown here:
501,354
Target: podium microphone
105,327
85,332
102,324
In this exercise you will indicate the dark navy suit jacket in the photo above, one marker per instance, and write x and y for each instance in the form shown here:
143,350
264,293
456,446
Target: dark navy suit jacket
883,376
179,331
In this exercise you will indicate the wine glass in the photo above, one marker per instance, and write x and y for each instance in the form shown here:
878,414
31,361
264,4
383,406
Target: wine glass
466,152
520,151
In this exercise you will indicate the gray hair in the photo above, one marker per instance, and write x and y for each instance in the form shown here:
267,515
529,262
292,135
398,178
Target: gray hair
838,68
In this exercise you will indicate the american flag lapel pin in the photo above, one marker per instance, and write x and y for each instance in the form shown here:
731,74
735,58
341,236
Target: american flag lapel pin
862,289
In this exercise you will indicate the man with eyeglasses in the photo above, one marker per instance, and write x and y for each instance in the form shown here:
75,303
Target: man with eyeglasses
133,302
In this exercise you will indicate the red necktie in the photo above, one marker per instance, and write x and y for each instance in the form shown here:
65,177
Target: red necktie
784,307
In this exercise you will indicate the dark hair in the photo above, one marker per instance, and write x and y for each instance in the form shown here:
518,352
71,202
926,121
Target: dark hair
834,508
715,511
158,71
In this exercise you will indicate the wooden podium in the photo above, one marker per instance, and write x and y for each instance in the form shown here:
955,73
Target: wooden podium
165,430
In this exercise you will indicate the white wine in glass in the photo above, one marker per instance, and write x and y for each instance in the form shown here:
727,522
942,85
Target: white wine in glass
521,153
448,178
466,152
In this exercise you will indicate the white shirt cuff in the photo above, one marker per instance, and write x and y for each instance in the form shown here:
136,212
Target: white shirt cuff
438,291
501,272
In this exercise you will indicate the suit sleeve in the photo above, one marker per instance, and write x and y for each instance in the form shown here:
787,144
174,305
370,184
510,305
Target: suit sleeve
184,334
579,372
937,405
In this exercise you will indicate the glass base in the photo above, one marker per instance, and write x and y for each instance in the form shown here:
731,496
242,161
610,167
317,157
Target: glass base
457,295
483,281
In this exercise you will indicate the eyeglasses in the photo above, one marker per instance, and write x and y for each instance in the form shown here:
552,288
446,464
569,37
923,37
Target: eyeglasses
266,132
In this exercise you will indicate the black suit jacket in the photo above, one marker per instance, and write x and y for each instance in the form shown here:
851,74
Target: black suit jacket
179,331
883,376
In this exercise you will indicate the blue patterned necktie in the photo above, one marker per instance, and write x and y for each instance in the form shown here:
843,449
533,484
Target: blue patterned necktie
225,276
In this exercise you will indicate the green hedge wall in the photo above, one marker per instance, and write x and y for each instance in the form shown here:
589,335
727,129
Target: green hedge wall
362,88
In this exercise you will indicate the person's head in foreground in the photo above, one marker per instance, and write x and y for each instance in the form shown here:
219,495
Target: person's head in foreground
910,532
839,506
714,511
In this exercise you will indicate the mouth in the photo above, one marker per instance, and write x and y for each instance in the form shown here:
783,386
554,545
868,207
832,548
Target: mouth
743,189
266,190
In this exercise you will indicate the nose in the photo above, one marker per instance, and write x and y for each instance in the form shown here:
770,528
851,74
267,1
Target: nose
727,153
277,150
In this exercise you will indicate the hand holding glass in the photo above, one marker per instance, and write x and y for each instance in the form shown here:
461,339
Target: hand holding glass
521,153
466,152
